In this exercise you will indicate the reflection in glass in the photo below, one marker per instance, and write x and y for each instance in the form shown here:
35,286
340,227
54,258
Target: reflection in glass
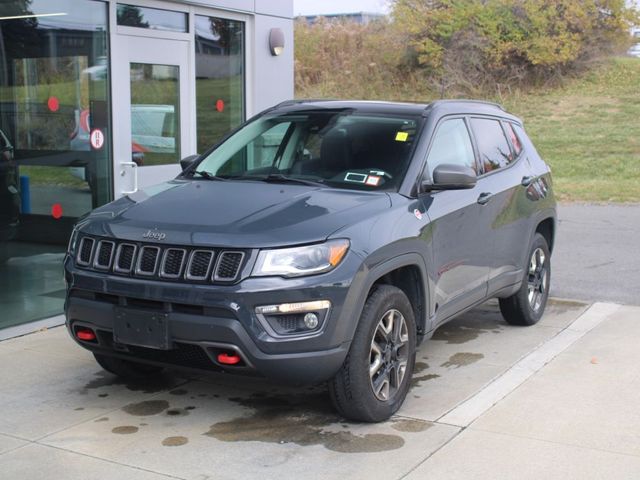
219,78
155,127
153,18
53,92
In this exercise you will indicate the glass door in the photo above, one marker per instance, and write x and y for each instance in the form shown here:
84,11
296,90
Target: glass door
151,111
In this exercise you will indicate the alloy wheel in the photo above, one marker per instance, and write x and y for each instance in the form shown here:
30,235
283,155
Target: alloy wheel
389,355
537,279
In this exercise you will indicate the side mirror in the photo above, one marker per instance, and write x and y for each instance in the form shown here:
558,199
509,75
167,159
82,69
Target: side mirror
451,177
186,162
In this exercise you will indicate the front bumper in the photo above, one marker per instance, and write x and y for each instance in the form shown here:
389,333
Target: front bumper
204,320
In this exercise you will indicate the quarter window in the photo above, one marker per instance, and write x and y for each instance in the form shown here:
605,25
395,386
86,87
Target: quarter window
492,144
515,141
451,145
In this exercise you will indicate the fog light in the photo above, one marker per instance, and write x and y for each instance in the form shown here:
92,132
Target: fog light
300,318
311,320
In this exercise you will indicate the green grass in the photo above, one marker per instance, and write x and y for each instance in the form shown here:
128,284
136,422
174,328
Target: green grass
589,132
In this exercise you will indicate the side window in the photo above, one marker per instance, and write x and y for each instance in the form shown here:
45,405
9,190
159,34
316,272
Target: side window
492,144
515,141
451,145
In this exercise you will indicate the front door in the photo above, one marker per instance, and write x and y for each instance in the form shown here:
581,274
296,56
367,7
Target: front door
151,111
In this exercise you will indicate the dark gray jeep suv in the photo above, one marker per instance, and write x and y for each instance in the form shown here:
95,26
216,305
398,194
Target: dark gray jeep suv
320,241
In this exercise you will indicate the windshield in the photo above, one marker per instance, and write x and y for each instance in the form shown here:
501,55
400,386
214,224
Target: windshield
338,148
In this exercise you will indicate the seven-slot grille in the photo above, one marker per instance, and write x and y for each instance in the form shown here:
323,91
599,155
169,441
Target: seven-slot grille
154,261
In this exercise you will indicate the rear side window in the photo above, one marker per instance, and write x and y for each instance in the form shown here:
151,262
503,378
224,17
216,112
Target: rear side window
493,146
451,145
515,141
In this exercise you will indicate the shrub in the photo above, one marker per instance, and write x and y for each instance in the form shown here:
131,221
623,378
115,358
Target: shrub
476,44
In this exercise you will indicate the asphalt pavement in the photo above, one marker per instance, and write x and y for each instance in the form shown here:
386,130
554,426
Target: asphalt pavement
597,253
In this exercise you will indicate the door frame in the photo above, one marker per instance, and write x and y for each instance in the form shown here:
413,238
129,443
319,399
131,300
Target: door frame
188,113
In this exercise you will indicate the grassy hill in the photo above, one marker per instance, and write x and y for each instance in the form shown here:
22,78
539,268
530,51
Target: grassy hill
589,132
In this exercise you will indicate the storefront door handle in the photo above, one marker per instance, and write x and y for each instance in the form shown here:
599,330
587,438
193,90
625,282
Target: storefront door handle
134,169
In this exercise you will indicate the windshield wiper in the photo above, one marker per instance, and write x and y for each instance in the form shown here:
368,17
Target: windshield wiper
278,177
207,175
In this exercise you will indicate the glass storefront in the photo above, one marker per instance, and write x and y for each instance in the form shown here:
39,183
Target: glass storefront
56,137
219,78
54,143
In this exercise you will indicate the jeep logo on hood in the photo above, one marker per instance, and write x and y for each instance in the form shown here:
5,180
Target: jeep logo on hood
154,235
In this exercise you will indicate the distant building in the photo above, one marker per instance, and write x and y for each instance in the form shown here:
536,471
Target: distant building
357,17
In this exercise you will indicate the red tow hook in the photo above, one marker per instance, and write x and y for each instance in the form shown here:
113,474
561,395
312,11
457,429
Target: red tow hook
85,335
229,359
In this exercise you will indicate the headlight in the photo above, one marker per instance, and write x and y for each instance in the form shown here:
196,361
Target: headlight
297,261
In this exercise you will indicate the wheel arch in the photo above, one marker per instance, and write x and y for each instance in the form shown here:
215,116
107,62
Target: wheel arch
408,273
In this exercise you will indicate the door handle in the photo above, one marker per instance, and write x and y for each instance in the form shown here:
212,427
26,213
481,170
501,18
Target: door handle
134,167
527,180
484,198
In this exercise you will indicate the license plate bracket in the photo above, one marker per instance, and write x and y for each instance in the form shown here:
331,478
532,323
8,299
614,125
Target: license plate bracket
141,328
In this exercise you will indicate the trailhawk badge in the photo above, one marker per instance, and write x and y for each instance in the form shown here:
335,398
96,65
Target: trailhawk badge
154,235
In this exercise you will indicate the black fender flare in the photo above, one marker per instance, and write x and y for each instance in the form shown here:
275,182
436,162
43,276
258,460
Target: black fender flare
366,278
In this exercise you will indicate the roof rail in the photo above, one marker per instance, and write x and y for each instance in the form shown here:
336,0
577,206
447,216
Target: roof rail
287,103
464,100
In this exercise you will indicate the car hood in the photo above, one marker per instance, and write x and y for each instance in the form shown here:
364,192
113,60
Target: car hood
241,214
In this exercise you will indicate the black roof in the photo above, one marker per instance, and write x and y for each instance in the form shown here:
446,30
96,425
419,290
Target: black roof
443,107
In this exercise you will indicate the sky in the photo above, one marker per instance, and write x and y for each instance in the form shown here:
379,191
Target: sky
311,7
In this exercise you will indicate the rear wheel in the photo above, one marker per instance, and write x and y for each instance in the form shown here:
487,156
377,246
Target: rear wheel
527,305
127,368
375,377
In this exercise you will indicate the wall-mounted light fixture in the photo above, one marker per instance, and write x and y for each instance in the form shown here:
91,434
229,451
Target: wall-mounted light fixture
276,41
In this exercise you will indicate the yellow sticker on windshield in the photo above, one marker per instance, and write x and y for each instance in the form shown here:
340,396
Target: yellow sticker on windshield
402,136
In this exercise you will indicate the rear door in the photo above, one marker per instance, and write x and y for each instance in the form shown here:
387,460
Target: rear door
503,193
459,227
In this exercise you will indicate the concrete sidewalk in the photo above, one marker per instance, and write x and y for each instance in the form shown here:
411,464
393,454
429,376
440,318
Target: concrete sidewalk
557,400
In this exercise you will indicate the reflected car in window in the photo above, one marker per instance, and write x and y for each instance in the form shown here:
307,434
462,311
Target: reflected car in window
9,193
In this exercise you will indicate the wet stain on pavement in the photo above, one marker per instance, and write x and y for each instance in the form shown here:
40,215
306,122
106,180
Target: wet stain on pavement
410,425
103,419
178,391
175,441
299,419
146,408
470,326
103,395
79,409
177,412
420,367
416,381
462,359
125,430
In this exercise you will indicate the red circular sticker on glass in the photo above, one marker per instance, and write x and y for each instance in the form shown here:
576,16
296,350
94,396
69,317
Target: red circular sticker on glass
53,104
56,210
97,139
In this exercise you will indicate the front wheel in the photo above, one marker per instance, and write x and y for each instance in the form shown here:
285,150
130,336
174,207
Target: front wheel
375,377
527,305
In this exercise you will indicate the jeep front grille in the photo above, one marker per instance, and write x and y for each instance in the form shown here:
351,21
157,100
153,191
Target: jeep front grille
199,264
148,261
228,266
104,255
85,251
124,258
174,263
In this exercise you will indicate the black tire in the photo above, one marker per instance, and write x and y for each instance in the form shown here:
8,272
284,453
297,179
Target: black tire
527,305
352,389
126,368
